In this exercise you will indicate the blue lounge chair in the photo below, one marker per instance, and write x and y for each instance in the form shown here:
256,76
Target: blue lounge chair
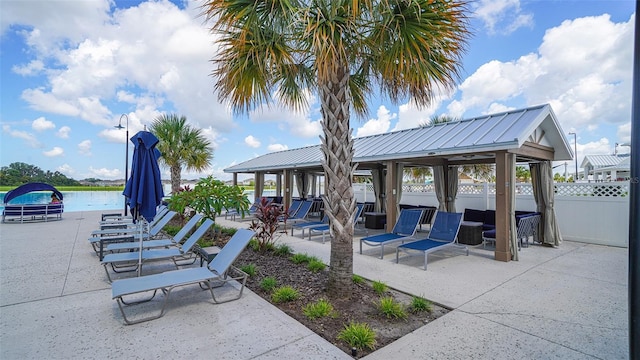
133,260
291,211
325,229
158,243
215,274
310,225
404,229
444,233
300,215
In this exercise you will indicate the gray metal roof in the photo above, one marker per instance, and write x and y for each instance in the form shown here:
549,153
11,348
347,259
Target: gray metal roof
485,134
600,161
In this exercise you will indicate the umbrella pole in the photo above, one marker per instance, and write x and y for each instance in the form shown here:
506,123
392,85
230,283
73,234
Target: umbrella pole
143,225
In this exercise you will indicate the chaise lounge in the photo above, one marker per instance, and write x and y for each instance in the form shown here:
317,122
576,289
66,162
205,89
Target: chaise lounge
215,274
444,233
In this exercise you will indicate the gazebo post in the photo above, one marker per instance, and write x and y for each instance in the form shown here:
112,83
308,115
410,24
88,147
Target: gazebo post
504,192
392,194
288,186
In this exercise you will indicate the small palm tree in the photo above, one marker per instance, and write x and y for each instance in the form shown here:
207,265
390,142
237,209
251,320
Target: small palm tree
344,50
181,146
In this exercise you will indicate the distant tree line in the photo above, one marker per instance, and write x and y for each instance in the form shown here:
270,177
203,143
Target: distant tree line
19,173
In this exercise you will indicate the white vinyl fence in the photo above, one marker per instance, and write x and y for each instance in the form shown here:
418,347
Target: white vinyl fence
596,213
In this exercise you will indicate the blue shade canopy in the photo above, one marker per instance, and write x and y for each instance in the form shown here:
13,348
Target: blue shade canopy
144,188
30,187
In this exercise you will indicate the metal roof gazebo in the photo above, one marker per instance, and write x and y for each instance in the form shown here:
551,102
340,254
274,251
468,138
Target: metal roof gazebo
531,135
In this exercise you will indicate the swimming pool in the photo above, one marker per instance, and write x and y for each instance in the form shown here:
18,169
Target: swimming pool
75,200
88,200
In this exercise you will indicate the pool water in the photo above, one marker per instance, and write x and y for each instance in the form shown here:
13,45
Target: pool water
75,200
88,200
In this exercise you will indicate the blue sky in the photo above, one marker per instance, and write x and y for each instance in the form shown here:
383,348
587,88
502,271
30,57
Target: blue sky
71,69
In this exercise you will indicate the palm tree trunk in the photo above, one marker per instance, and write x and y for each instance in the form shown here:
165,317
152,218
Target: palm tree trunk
340,206
175,178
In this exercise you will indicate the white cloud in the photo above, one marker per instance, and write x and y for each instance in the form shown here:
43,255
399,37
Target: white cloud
252,141
66,169
96,62
63,133
299,123
55,152
583,69
84,147
213,136
104,173
277,147
410,116
505,15
32,68
28,138
42,124
378,125
624,133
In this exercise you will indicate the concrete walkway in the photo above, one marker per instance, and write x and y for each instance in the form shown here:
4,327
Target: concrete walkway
565,303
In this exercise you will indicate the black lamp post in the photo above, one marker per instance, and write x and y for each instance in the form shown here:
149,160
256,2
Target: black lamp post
575,147
126,155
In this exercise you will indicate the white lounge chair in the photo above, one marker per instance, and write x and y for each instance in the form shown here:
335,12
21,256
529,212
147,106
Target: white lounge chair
215,274
158,243
133,260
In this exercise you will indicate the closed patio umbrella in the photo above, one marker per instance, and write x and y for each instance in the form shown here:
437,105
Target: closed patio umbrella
144,188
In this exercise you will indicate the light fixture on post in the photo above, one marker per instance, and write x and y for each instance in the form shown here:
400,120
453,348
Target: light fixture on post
126,154
575,147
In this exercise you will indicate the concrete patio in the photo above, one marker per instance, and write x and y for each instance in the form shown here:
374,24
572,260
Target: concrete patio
565,303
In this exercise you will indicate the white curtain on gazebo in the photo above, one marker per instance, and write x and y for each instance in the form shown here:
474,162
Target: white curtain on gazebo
302,183
544,194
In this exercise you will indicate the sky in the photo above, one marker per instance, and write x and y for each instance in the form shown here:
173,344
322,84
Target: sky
71,70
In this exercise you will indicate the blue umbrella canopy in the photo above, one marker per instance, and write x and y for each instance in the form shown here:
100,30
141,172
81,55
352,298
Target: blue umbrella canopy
144,188
29,187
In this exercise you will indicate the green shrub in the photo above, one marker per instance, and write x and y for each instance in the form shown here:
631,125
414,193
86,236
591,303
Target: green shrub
320,308
284,294
357,279
391,308
358,335
300,258
420,304
171,229
379,287
228,230
250,269
316,265
268,284
283,250
254,245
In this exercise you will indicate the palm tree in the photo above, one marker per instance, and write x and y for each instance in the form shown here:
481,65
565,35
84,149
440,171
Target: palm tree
344,50
417,174
181,146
